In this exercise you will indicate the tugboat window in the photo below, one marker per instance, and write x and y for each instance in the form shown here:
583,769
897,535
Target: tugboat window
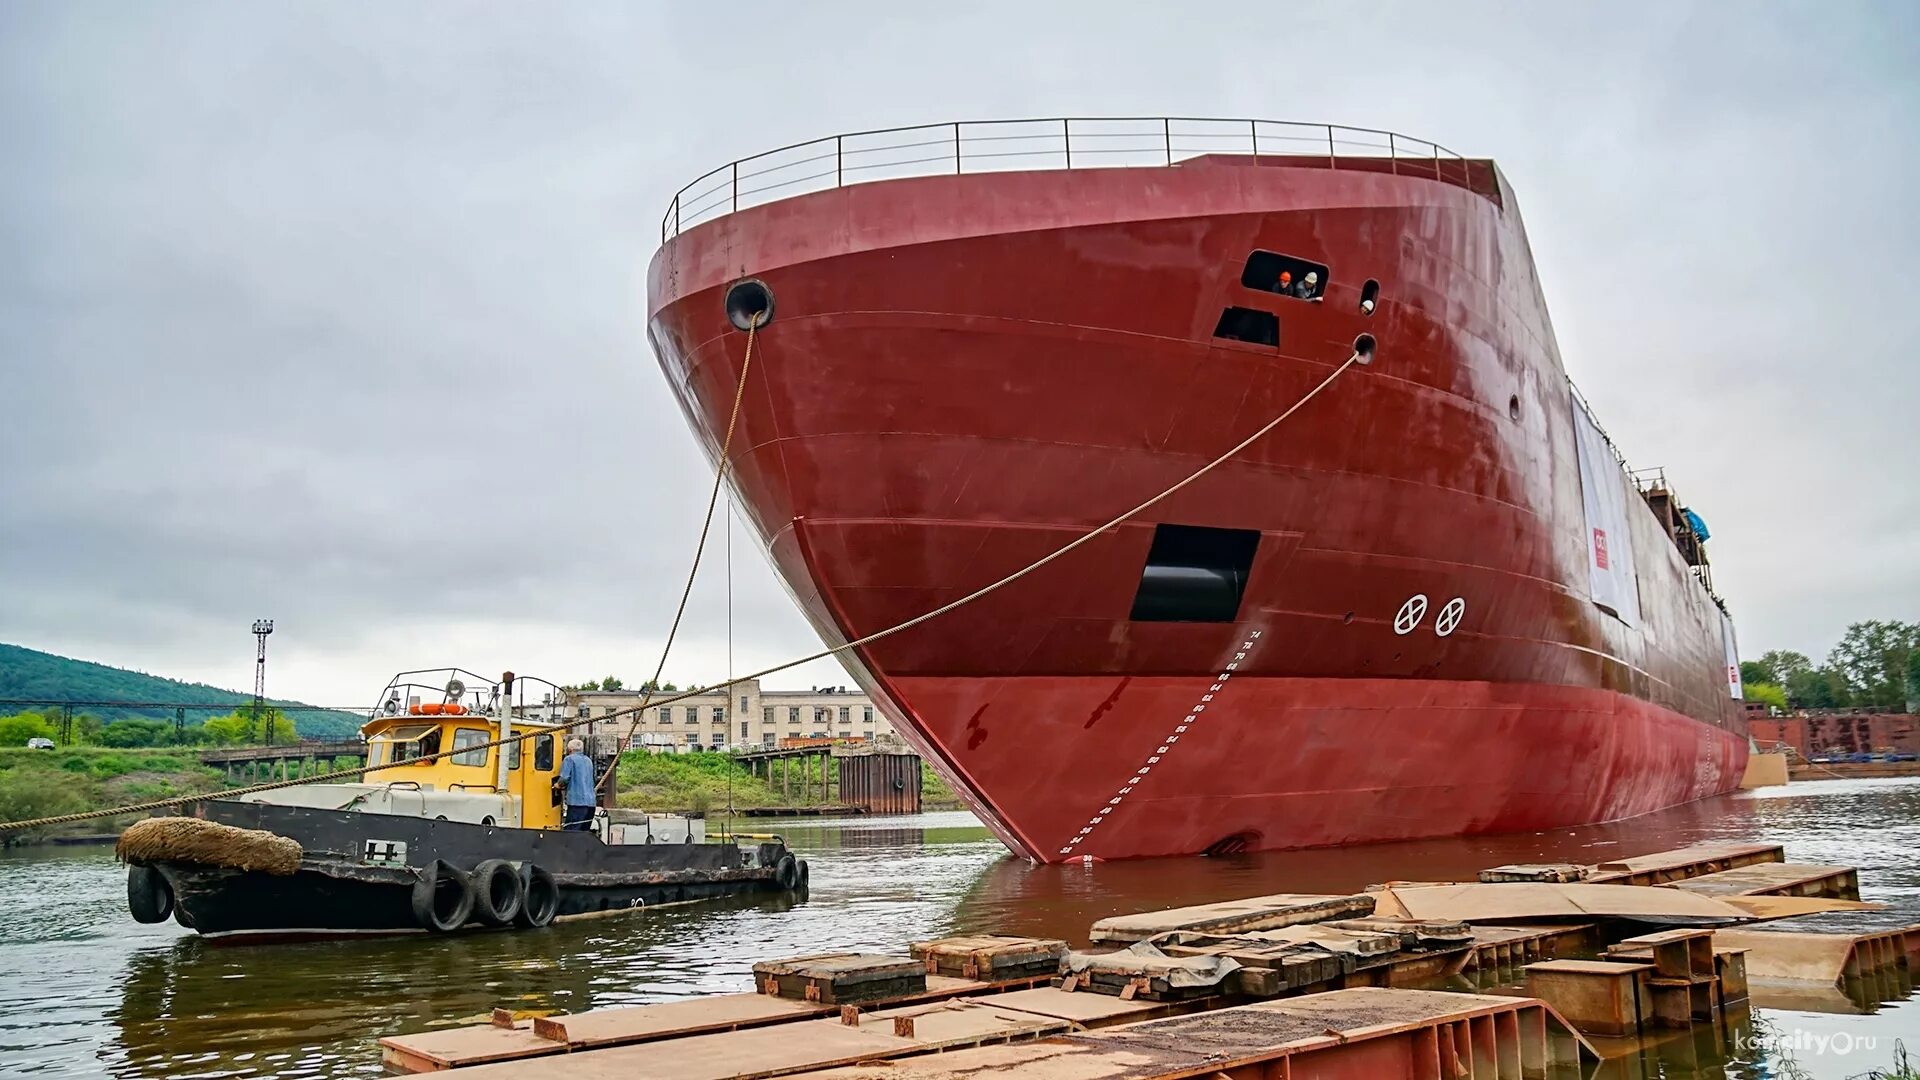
513,756
1270,271
464,738
543,753
412,742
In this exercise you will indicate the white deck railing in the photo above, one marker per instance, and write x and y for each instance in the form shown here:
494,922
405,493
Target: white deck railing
976,146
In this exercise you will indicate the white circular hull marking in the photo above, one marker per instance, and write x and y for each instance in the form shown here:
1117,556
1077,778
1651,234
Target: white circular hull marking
1410,614
1449,617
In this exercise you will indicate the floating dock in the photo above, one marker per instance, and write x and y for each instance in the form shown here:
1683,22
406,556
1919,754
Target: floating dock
1680,864
1323,985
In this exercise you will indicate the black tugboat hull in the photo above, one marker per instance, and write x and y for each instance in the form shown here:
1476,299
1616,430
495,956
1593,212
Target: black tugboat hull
358,871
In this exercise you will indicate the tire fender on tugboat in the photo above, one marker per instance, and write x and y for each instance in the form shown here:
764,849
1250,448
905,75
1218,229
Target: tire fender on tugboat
787,872
498,892
442,897
540,898
149,897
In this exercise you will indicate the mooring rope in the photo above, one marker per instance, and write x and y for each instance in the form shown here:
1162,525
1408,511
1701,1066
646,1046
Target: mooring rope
706,525
160,804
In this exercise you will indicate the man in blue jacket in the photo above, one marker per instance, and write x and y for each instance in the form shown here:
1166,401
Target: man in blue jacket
576,775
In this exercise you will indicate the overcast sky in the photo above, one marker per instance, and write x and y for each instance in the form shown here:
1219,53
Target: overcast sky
293,295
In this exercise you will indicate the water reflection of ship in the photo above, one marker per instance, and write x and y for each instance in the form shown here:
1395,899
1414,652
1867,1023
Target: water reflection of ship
198,1007
1063,899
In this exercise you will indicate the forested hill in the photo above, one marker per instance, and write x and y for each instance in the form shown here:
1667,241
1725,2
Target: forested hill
32,676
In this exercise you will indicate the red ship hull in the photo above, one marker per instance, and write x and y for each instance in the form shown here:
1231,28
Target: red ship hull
963,373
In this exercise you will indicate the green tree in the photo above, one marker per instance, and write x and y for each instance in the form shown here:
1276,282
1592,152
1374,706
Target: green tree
651,687
1913,680
1872,658
15,730
1753,671
131,733
1781,665
1820,688
243,728
86,729
1764,692
611,683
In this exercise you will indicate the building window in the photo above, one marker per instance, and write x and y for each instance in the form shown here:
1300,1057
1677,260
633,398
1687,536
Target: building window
719,714
846,715
766,714
693,740
868,717
822,714
666,714
793,713
743,731
743,703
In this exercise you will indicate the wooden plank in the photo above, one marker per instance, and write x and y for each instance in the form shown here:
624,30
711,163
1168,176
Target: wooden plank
481,1044
755,1052
644,1023
1234,916
839,978
769,1051
990,955
967,1022
432,1051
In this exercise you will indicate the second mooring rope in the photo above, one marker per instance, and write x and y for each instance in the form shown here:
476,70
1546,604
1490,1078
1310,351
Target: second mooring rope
160,804
706,525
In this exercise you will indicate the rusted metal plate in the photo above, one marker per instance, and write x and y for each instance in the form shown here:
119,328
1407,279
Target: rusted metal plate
1778,879
1367,1034
1679,864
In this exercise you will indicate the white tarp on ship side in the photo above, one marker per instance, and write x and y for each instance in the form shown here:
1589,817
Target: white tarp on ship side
1603,492
1733,658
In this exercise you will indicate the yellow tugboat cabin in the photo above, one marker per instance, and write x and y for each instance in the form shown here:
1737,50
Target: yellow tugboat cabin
398,749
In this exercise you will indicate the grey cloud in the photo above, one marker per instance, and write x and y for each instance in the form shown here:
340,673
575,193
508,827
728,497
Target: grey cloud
293,296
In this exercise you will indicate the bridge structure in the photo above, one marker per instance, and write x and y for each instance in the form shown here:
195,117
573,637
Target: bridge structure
287,761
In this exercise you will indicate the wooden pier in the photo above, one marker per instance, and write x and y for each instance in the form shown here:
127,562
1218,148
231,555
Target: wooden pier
849,778
1317,985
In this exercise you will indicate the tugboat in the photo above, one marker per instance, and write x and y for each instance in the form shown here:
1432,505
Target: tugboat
435,843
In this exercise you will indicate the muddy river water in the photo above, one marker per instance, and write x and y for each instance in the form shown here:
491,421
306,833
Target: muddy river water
85,991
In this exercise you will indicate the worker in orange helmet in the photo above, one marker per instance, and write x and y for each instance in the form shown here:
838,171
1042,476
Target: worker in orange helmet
1286,283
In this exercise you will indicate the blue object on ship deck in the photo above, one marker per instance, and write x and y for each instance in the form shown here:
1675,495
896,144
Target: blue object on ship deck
1698,525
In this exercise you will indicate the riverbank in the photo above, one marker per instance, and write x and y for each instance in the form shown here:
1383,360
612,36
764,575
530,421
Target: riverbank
710,783
46,783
